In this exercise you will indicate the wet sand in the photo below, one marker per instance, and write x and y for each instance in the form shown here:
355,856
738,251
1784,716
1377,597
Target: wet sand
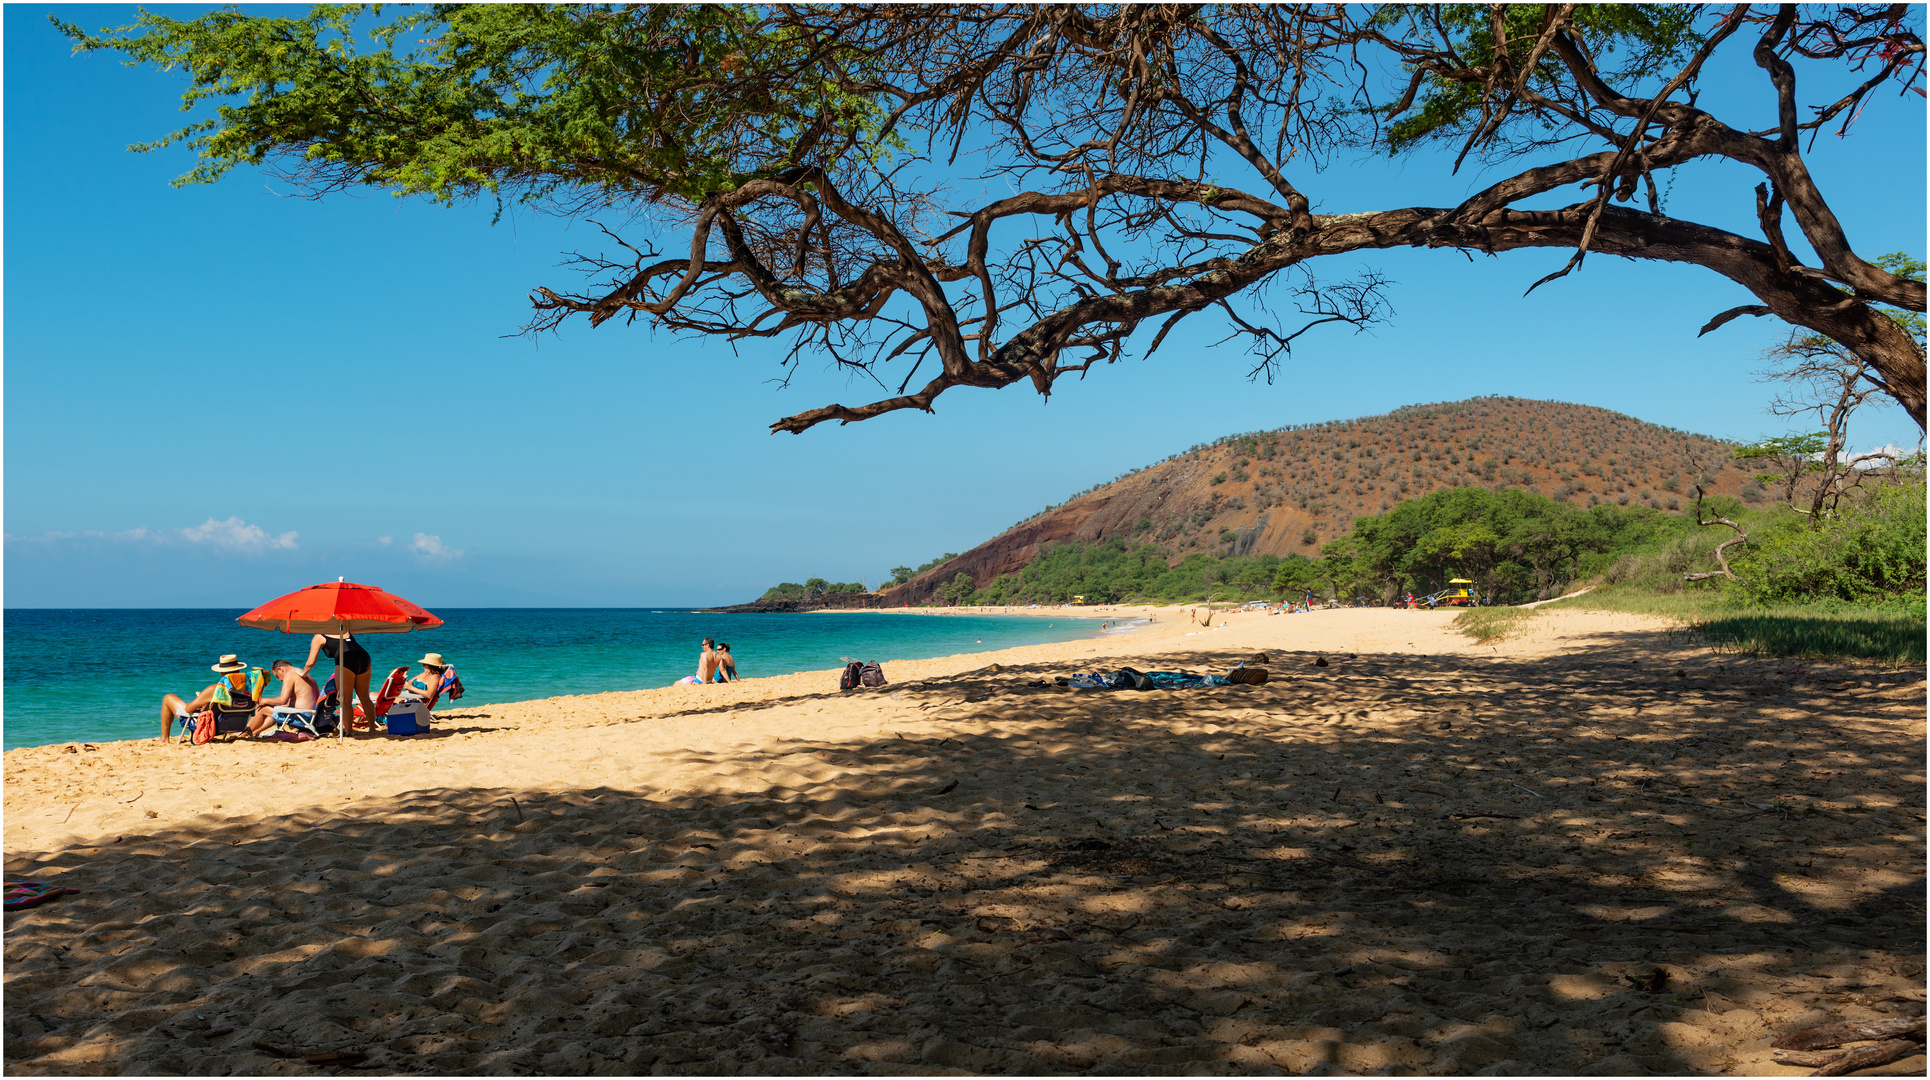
1428,856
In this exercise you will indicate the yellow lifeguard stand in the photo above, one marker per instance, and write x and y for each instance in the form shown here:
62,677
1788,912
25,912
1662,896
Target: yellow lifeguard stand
1457,593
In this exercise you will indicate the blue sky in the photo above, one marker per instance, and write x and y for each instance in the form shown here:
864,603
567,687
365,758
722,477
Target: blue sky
219,393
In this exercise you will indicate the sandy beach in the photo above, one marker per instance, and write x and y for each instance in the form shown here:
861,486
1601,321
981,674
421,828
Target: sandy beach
1598,848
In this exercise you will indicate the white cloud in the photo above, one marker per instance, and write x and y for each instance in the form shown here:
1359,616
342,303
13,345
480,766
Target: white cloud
235,535
385,541
431,549
1897,453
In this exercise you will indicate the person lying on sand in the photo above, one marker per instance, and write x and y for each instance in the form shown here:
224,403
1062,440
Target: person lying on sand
298,694
230,668
726,664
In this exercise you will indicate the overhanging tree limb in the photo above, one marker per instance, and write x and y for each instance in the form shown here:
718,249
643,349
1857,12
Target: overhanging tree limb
1152,161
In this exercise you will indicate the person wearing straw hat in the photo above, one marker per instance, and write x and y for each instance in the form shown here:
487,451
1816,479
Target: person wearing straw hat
232,671
425,686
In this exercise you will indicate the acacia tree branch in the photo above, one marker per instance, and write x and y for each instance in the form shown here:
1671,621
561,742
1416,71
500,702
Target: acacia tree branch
1740,538
1624,232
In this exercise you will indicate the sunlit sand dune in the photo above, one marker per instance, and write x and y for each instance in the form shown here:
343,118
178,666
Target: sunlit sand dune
1598,848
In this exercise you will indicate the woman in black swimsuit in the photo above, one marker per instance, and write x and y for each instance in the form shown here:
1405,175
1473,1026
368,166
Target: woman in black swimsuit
355,661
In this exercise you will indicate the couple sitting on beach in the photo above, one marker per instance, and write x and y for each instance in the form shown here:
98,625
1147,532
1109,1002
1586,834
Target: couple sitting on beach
714,664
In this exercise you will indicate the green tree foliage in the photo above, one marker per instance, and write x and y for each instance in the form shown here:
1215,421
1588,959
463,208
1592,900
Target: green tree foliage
1792,457
778,141
902,574
1113,570
1904,265
1632,41
1514,544
1870,552
813,589
569,102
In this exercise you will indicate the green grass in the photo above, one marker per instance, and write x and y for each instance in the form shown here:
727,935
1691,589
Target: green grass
1819,631
1494,623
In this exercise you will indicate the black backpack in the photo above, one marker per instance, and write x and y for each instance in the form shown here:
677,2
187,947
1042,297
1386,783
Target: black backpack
853,674
1128,679
872,674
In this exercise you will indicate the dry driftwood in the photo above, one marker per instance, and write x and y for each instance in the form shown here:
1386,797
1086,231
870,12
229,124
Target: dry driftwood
1807,1059
1809,1048
1844,1062
1825,1036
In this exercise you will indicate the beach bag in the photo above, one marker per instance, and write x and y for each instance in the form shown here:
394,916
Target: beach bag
1250,676
853,673
871,674
327,712
1128,679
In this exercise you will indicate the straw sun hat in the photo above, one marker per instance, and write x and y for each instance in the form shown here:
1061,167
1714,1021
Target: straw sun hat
229,664
433,659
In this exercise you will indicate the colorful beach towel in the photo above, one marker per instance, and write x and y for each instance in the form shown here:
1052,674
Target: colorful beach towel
451,686
26,894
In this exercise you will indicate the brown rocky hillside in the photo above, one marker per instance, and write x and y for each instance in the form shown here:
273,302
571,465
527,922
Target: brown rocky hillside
1277,492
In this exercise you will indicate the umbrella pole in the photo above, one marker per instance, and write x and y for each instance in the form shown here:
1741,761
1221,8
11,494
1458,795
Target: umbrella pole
343,715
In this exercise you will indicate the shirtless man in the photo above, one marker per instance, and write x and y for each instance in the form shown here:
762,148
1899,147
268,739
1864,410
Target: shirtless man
298,692
228,667
707,661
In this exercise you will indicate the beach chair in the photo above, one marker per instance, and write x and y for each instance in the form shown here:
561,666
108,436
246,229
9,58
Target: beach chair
406,717
228,714
384,700
218,719
387,694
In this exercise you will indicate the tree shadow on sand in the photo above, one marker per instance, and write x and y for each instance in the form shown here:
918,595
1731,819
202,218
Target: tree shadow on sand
1388,865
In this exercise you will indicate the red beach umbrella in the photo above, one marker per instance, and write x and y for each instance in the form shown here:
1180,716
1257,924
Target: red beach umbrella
340,607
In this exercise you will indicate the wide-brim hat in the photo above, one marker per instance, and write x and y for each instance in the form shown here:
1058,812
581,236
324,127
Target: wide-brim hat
230,663
433,659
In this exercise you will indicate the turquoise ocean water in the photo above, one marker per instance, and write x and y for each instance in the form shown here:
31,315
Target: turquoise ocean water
98,674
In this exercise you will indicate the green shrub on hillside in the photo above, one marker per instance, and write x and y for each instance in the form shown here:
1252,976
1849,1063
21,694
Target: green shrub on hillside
1112,570
812,589
1871,552
1516,545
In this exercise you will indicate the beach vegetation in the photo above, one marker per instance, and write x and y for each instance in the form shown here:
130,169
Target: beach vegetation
784,154
901,574
1851,585
813,589
1515,545
1114,571
1491,624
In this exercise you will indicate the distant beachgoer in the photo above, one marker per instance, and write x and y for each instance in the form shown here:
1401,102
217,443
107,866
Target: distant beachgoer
726,663
231,669
706,665
298,694
353,659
